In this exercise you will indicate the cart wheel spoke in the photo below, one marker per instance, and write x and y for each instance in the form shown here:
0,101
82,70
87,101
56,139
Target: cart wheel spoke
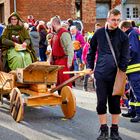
68,102
16,105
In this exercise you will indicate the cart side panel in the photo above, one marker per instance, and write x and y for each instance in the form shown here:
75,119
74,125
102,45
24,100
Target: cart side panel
36,76
38,73
10,81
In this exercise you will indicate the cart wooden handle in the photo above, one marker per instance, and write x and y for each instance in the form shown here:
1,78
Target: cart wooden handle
74,72
65,83
82,73
78,74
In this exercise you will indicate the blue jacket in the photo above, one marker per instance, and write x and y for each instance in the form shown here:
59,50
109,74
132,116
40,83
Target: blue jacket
105,66
1,29
134,46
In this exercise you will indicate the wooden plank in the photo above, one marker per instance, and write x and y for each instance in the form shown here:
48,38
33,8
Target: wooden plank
48,99
29,92
42,66
42,88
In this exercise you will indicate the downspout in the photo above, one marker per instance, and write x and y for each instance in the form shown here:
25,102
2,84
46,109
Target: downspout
15,8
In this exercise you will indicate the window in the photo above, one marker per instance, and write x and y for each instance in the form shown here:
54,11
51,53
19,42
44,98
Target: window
102,10
1,13
78,9
135,12
127,12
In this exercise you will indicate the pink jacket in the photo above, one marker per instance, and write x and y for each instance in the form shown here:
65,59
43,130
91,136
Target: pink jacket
84,53
79,37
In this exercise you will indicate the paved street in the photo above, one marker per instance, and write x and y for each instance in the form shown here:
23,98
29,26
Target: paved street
47,123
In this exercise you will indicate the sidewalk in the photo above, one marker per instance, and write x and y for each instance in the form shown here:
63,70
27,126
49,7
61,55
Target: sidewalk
79,85
87,101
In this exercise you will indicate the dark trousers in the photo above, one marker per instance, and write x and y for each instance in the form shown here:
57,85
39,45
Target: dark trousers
86,77
104,95
42,54
136,94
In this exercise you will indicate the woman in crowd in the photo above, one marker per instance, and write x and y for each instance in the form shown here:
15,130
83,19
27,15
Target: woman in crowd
16,48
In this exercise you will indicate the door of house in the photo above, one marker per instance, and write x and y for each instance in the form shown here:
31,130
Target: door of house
2,13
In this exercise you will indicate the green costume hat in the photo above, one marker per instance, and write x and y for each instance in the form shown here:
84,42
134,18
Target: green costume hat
16,15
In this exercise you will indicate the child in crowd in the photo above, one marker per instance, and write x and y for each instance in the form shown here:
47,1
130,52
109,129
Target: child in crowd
49,48
84,57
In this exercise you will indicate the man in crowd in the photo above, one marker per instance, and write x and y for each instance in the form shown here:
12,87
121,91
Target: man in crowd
105,71
62,50
133,70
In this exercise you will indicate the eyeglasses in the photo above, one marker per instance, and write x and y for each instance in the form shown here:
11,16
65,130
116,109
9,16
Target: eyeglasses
115,20
13,18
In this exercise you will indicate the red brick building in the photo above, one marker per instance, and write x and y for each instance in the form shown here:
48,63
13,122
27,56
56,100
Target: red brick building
89,11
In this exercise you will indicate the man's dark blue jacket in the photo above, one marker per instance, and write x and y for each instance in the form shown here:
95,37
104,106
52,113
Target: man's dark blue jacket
1,29
105,68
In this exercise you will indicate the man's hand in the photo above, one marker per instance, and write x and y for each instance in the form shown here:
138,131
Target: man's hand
88,71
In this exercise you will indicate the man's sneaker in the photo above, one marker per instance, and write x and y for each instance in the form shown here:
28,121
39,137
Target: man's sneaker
114,134
103,134
136,119
129,115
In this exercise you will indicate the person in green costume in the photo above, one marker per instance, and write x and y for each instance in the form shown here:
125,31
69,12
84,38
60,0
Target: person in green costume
16,45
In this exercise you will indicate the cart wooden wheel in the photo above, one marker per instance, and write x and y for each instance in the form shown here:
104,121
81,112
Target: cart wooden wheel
16,105
68,105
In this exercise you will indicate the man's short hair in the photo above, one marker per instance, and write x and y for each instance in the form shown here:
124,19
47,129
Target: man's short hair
125,24
56,19
114,12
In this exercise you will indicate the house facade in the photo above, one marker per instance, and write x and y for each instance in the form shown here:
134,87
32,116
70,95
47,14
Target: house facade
88,11
130,10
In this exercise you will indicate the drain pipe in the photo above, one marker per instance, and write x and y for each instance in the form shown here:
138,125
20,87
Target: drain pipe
15,8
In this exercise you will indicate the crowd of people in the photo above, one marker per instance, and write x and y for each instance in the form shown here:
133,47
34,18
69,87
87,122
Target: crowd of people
62,43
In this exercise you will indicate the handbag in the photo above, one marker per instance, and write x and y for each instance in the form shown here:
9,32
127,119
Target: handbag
120,79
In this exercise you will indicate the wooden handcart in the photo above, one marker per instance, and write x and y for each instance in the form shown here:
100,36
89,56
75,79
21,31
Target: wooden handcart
31,86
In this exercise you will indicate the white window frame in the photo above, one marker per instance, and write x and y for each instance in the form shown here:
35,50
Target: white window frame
132,14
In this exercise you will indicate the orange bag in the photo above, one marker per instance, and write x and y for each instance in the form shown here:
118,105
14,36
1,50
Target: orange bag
120,79
120,82
76,45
